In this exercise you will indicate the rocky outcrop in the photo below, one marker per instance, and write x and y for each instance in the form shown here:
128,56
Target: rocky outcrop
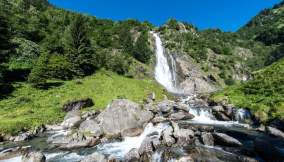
225,140
95,157
132,156
92,127
33,157
274,132
77,105
191,78
71,119
122,115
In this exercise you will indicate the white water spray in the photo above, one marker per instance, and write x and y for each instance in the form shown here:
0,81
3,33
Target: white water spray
120,149
163,73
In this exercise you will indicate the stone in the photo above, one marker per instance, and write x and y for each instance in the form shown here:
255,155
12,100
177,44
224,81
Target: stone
22,137
33,157
218,108
181,116
165,106
92,127
226,140
278,124
122,115
132,132
77,105
146,146
182,107
71,119
243,116
95,157
207,139
274,132
168,136
159,119
132,156
221,116
183,136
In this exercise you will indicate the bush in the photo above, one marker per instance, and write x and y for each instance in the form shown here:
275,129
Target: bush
118,63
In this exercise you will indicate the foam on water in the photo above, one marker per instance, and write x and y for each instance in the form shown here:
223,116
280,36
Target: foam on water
120,149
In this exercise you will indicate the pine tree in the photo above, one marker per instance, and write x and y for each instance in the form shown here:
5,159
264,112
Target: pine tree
79,49
142,51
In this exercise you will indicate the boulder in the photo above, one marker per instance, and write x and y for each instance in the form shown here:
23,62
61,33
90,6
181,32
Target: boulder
146,146
207,139
168,136
182,107
71,119
77,105
132,132
221,116
183,136
22,137
274,132
181,115
92,127
226,140
165,106
95,157
218,108
159,119
122,115
33,157
132,156
277,123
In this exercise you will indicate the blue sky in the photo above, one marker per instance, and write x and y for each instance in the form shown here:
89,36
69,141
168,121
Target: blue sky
228,15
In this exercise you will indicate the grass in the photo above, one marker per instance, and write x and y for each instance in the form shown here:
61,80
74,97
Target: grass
28,107
264,95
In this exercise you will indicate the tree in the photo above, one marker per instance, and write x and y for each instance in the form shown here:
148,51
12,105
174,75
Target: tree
79,49
142,51
39,75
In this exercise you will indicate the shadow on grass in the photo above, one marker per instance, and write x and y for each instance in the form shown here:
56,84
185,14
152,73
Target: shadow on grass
50,85
5,90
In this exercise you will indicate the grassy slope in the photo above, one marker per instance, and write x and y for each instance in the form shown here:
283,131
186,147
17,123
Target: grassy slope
264,95
27,107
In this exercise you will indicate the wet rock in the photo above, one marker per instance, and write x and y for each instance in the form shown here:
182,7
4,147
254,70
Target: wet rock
274,132
168,139
71,119
146,146
90,114
78,105
182,107
207,139
133,132
159,119
151,97
221,116
279,124
181,116
122,115
267,151
95,157
22,137
33,157
225,140
132,156
183,136
165,106
92,127
218,108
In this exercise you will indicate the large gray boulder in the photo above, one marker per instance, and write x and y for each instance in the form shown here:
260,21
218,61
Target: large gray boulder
168,136
207,139
274,132
95,157
165,106
71,119
122,115
225,140
181,115
92,127
183,136
33,157
132,156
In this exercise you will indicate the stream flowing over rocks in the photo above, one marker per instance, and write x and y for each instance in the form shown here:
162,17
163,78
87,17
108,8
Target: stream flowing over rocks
184,129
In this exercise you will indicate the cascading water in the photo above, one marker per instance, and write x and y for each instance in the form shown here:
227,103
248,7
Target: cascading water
164,74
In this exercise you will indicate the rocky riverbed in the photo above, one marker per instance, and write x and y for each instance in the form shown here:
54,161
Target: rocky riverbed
187,129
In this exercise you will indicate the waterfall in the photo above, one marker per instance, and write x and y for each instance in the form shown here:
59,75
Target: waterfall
164,74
